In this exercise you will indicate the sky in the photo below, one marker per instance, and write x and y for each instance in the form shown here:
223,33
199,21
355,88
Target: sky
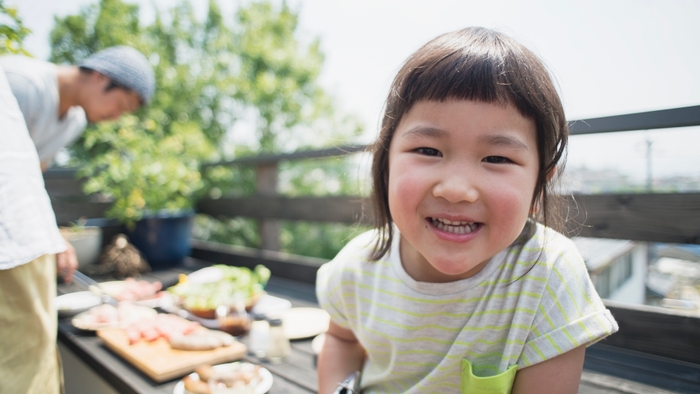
607,57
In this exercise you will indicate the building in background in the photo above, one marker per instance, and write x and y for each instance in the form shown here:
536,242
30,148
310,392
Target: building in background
666,275
617,268
674,277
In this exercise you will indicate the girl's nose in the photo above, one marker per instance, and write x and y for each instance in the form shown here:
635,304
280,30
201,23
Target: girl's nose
456,186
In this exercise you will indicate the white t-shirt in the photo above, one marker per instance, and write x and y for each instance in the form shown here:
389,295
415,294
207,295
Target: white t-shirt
527,305
27,223
35,86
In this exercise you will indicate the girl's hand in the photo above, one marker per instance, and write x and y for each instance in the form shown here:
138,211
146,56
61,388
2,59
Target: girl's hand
341,354
559,375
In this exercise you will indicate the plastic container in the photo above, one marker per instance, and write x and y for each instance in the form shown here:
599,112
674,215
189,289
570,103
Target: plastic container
259,336
279,343
87,241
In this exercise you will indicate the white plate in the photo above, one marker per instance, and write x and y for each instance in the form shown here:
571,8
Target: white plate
112,288
127,314
116,287
73,303
302,323
81,321
262,387
162,299
271,306
317,343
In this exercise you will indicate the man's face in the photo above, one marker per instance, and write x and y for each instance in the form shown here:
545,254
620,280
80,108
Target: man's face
101,104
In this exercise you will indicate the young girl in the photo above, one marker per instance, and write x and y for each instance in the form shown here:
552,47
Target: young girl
459,289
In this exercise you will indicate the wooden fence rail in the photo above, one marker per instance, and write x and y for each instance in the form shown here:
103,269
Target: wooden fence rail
654,217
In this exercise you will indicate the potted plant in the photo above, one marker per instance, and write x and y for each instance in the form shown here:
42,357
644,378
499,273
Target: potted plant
151,174
87,241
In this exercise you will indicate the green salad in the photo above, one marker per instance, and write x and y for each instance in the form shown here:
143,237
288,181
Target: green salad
237,282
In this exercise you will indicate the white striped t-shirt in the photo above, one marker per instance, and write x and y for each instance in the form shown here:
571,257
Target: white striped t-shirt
525,306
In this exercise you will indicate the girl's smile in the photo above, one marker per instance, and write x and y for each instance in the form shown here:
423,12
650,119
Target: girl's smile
452,229
461,181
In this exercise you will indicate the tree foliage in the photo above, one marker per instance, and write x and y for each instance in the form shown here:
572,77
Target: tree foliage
227,86
12,30
277,75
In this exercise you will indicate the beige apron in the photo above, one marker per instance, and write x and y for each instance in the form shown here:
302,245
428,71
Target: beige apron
28,327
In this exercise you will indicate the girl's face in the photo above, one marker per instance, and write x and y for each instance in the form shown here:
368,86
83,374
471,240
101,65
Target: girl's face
461,178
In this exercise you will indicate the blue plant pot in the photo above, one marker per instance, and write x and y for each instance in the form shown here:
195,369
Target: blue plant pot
163,238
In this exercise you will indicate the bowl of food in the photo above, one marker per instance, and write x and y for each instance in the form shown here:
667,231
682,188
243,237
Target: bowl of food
206,312
201,292
237,377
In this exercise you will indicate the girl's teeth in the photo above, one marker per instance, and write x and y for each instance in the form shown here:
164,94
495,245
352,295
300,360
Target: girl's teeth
454,227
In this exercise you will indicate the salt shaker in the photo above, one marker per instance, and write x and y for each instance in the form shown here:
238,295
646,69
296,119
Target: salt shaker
259,336
279,343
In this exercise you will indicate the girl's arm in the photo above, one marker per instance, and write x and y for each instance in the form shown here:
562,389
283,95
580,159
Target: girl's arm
558,375
341,354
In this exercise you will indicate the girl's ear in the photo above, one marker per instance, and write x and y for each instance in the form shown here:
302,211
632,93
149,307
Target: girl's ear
551,174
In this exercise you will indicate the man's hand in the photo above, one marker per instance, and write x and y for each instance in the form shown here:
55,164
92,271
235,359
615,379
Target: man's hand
67,263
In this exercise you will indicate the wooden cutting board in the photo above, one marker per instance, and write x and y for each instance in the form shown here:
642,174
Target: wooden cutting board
159,362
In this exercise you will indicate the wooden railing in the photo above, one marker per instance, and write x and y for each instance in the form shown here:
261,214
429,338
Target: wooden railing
654,217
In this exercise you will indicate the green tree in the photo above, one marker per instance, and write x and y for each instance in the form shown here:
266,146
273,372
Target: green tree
148,161
214,81
277,75
12,30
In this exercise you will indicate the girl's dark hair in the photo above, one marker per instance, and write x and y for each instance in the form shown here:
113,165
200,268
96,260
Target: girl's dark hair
482,65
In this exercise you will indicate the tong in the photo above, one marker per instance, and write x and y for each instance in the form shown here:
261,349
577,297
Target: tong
351,384
93,286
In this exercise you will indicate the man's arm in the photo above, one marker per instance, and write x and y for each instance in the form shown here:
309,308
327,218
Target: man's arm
341,354
67,263
559,375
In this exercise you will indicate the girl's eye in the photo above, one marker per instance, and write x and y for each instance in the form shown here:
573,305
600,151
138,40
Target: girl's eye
497,160
429,151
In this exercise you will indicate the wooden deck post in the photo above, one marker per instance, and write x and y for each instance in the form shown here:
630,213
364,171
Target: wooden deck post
266,174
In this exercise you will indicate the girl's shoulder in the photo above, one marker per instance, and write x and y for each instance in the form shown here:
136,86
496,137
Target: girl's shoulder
360,247
353,261
546,238
547,248
356,251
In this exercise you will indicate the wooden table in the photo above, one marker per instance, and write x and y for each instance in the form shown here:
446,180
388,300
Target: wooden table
607,369
296,374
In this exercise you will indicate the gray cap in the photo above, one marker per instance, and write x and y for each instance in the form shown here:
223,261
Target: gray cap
125,66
